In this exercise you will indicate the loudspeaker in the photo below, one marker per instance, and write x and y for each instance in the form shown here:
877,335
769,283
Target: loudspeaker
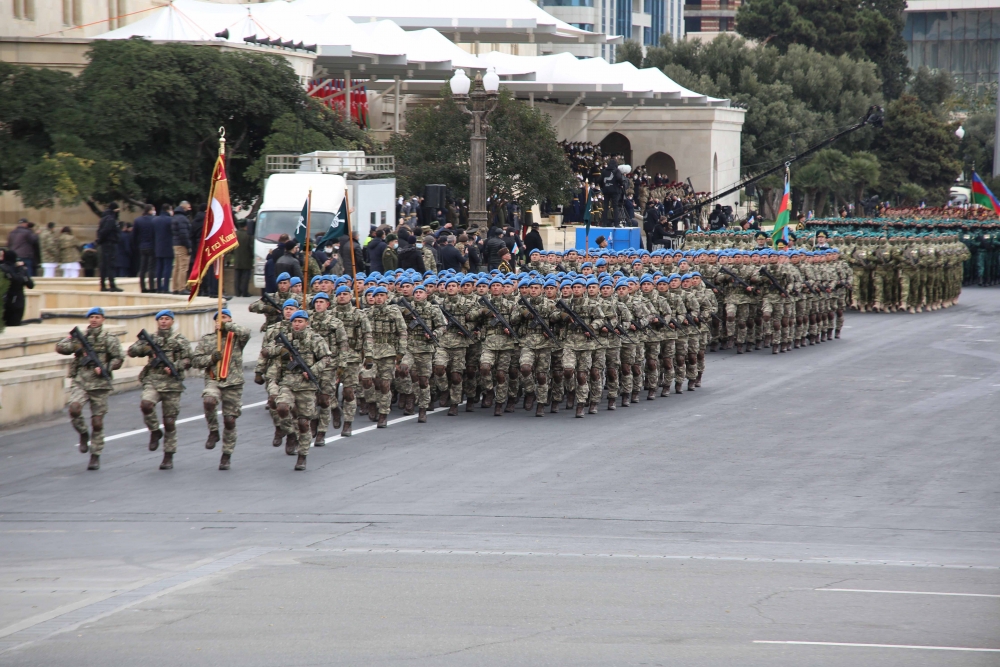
435,196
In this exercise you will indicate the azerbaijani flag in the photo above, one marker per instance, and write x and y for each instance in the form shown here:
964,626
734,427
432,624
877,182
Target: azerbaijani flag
981,194
784,211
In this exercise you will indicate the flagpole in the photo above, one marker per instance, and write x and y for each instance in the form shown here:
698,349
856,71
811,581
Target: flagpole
350,245
305,271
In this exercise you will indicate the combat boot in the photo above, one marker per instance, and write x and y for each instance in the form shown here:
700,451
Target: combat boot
757,345
95,462
84,443
382,422
611,403
154,439
579,410
691,384
278,437
320,440
445,397
837,334
739,348
593,408
213,438
168,461
678,386
470,405
651,396
300,464
224,463
511,402
540,410
498,410
775,348
529,402
337,416
796,343
665,391
570,399
713,347
625,400
421,415
829,334
408,405
373,411
291,443
487,400
346,431
697,381
453,410
635,396
313,427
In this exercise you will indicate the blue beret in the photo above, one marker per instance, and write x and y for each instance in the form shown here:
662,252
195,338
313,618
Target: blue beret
165,313
579,281
342,289
225,311
420,287
674,276
295,280
314,280
380,290
297,314
646,279
550,283
290,303
321,295
283,276
96,310
621,283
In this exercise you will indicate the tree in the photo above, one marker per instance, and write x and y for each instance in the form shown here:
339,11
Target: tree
976,147
524,160
140,123
862,172
933,89
871,30
630,51
910,194
915,146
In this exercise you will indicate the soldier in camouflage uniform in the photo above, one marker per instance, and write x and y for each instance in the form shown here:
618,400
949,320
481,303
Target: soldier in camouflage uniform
272,315
159,385
89,384
497,350
578,346
390,342
420,353
535,359
359,342
449,358
284,427
327,325
296,392
227,390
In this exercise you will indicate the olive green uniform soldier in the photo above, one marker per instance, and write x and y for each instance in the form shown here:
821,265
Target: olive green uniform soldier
449,358
535,359
498,350
160,385
272,315
331,329
296,391
226,390
390,341
284,427
578,346
359,344
89,384
420,353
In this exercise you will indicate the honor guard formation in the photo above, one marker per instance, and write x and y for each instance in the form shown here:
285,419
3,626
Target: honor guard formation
580,328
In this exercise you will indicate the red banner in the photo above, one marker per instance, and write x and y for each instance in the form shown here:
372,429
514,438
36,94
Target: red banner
220,230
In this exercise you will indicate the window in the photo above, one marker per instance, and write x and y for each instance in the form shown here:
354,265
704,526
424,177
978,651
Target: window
24,10
692,24
372,221
584,26
647,6
383,217
566,3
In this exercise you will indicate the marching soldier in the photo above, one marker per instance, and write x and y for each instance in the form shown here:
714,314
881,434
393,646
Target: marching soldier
169,355
390,340
359,343
299,364
331,329
223,381
420,353
89,382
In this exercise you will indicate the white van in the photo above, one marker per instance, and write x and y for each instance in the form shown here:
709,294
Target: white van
284,197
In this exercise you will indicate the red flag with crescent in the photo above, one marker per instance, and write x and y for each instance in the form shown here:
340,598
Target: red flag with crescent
219,231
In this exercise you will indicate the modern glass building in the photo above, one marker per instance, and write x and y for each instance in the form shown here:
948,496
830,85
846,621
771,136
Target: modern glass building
958,36
642,20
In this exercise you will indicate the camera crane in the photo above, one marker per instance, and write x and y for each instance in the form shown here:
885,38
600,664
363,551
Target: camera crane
874,117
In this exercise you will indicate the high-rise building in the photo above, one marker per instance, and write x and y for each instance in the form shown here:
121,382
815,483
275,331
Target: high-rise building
706,19
640,20
958,36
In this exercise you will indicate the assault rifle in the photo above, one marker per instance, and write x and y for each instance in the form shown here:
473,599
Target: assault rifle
297,362
89,356
577,320
709,284
501,320
774,281
691,319
265,297
416,318
538,318
160,357
453,321
738,279
622,334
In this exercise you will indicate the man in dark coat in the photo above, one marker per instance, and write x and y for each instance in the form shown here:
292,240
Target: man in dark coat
163,248
243,259
124,260
180,228
24,242
107,238
494,248
345,254
451,257
289,262
533,239
410,257
376,247
143,236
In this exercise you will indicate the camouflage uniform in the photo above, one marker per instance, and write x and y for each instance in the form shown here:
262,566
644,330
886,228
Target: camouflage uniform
227,391
89,387
331,329
535,358
390,341
158,386
297,395
498,350
359,343
578,348
420,353
450,355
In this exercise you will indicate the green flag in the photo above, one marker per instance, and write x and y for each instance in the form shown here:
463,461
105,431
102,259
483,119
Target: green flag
784,212
338,226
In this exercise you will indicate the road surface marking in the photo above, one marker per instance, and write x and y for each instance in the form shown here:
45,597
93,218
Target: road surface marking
867,590
910,646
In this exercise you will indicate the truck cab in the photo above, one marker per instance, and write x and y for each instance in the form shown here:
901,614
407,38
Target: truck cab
367,181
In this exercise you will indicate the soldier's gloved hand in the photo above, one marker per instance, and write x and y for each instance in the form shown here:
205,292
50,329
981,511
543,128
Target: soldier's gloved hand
116,364
399,358
403,368
285,354
258,378
369,365
216,356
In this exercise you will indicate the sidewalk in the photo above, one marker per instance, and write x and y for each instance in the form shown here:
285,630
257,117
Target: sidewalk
239,306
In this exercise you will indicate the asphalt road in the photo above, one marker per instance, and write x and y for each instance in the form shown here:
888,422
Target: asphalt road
835,505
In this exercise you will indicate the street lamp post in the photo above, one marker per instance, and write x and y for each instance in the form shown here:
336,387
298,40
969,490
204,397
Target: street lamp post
478,104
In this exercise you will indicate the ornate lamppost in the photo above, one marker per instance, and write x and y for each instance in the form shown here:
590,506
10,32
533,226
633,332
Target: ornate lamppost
478,104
